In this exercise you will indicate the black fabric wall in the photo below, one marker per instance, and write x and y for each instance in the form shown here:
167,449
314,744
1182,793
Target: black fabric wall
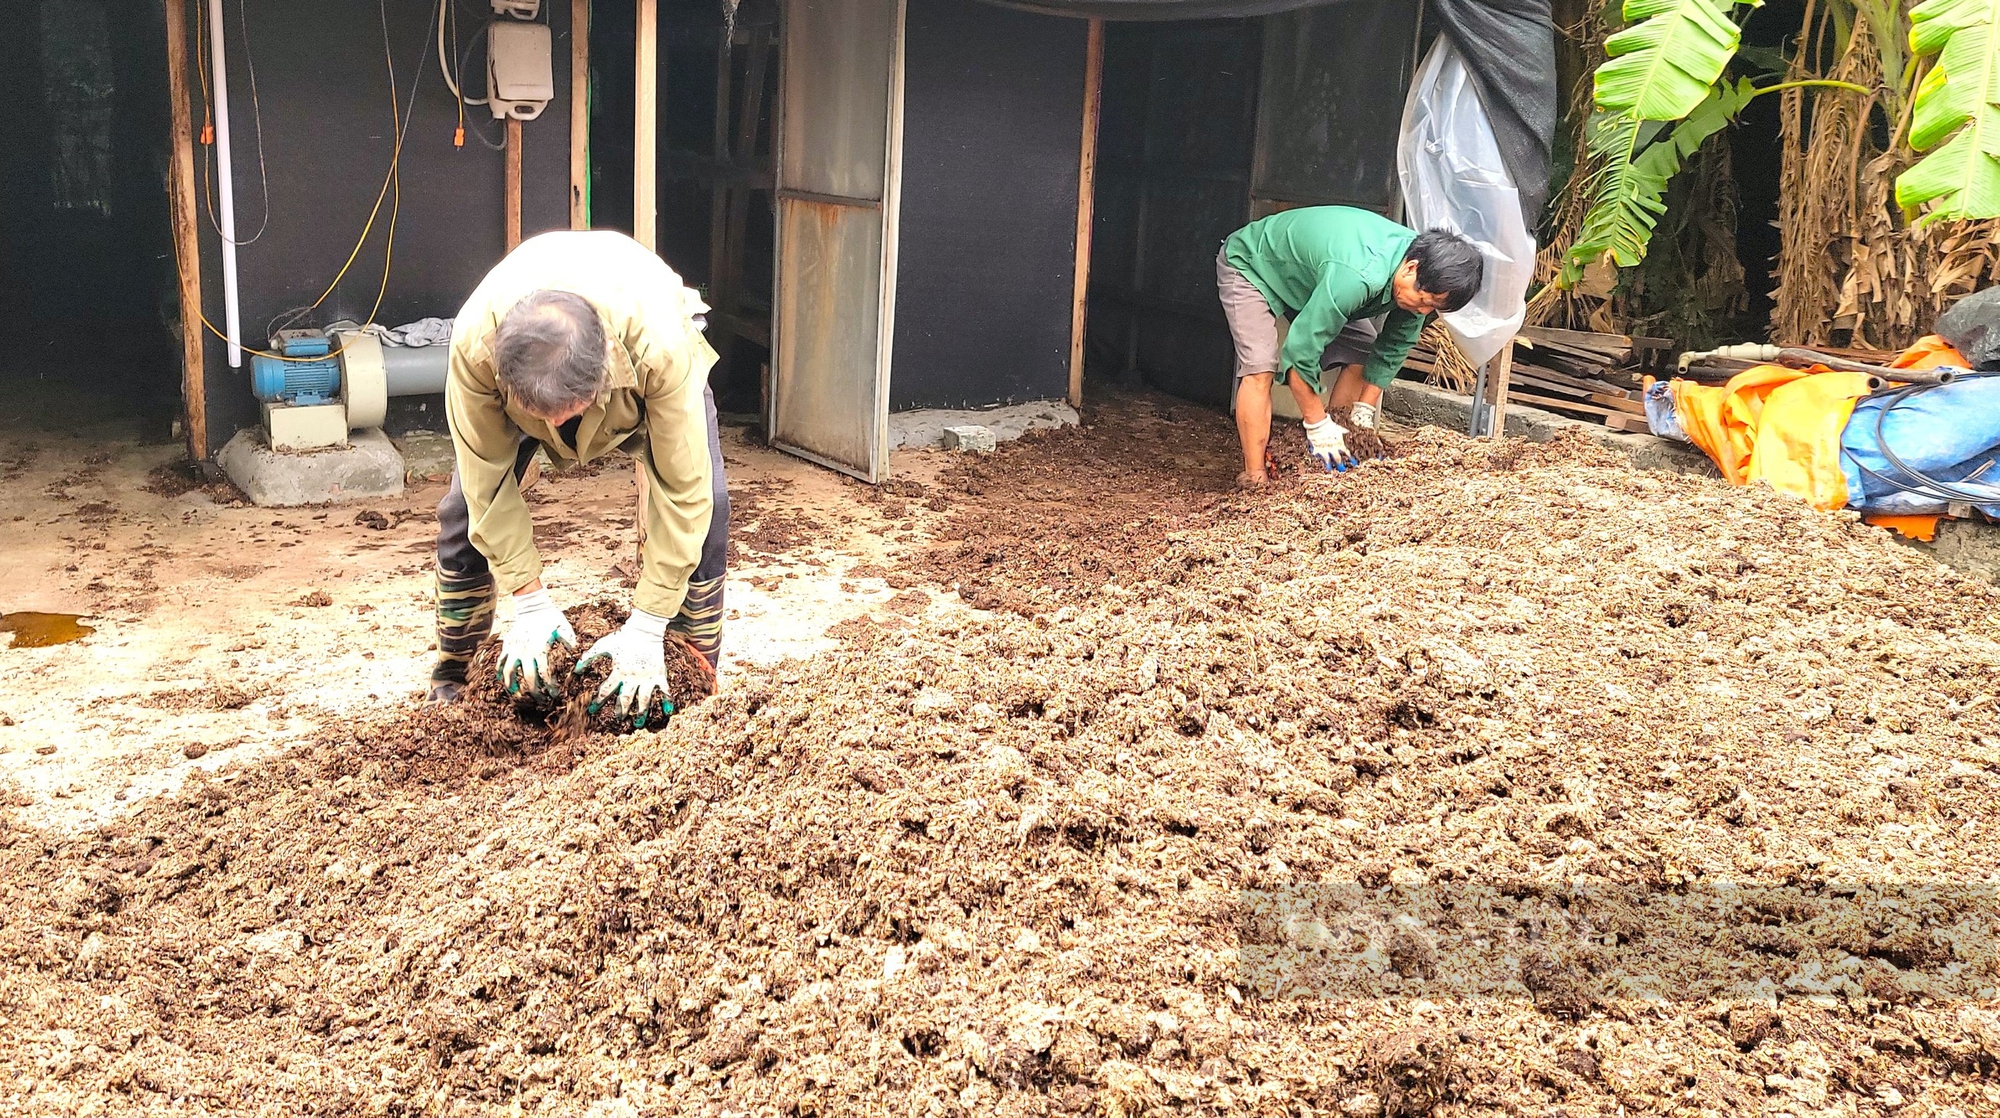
992,140
1173,179
86,273
323,86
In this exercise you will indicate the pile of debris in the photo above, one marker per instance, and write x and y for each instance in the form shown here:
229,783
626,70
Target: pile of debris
1359,797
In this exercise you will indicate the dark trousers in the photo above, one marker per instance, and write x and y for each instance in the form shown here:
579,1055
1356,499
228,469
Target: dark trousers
465,590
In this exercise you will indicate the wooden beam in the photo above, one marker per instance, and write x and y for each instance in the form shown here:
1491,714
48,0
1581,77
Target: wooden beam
646,127
1498,372
187,243
1093,96
579,114
718,195
513,184
1552,403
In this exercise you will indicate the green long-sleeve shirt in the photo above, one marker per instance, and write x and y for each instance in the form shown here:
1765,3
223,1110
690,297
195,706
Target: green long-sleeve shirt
1322,267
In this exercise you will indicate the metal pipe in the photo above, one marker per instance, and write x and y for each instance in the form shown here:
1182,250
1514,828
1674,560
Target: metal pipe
1805,358
224,174
1884,379
415,370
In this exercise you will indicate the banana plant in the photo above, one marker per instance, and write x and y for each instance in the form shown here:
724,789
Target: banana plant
1665,63
1666,68
1638,163
1956,116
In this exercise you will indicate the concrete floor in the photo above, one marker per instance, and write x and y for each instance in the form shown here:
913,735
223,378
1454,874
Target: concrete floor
206,651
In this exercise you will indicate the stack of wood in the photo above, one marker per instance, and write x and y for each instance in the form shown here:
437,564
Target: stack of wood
1575,373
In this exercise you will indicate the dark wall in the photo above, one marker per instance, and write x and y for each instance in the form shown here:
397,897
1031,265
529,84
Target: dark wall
1334,83
323,87
1208,124
1173,179
84,245
992,141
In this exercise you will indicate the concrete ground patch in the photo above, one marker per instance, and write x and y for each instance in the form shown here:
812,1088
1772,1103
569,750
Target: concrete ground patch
926,428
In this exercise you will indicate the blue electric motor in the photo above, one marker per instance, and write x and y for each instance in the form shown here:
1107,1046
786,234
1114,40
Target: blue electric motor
300,380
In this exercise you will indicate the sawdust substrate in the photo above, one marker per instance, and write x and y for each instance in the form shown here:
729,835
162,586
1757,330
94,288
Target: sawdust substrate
987,864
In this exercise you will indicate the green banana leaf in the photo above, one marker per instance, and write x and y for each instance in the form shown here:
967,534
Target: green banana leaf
1957,107
1637,165
1662,66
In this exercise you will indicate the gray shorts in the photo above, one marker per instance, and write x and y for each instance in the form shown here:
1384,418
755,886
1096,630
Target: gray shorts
1260,335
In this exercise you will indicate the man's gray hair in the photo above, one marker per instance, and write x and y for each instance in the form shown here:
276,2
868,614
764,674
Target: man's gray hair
550,352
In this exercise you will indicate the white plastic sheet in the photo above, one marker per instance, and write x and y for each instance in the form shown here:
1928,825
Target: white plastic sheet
1453,178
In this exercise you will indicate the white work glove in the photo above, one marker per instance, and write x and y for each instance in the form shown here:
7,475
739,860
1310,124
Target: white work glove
537,626
1364,415
1328,441
638,653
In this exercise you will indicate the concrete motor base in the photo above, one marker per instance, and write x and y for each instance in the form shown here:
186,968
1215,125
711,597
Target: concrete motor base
368,466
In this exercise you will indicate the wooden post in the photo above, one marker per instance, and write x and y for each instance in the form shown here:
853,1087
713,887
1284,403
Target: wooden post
187,243
646,133
1093,90
513,184
1498,371
579,114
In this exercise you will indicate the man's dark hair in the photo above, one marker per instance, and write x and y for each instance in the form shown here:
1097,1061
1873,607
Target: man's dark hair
550,352
1447,265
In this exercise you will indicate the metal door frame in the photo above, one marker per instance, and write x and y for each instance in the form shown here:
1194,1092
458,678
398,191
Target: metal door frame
890,207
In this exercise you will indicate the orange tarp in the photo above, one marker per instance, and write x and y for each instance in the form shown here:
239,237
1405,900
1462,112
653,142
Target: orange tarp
1777,425
1782,426
1915,527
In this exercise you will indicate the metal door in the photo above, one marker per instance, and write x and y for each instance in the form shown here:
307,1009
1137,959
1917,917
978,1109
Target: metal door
839,152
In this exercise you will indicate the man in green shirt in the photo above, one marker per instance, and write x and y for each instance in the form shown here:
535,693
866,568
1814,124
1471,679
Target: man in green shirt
1329,270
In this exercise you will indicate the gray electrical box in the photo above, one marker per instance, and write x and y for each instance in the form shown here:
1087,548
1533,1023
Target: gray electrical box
520,69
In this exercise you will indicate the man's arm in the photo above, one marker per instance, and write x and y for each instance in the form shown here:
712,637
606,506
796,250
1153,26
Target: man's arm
1336,300
674,461
486,442
1392,345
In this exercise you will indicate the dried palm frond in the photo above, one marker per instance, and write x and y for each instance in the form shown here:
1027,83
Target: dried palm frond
1818,193
1582,24
1450,368
1901,278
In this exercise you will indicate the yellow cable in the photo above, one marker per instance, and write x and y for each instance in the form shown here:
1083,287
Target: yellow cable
389,247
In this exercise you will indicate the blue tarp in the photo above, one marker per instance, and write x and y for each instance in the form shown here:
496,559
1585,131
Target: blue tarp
1951,432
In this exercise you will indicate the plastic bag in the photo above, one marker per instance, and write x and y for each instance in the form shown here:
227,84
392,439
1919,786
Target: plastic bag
1972,326
1454,178
1661,415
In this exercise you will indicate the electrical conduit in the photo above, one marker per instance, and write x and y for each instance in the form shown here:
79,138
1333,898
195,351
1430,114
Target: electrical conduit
233,322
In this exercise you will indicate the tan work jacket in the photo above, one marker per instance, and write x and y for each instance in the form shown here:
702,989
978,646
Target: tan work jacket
658,372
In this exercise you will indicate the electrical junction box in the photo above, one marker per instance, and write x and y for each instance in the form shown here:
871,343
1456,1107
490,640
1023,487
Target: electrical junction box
520,69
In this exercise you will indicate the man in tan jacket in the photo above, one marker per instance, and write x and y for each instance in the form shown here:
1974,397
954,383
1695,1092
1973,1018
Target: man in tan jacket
580,344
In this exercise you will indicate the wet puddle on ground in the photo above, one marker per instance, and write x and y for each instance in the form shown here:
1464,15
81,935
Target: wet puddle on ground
40,630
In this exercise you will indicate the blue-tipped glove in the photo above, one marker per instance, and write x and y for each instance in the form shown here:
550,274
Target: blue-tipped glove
638,653
524,651
1328,441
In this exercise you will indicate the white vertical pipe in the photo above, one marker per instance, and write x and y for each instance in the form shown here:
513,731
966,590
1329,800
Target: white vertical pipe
218,64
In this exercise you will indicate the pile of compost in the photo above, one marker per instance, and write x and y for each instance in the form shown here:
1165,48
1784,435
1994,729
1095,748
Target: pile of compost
573,706
1479,780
